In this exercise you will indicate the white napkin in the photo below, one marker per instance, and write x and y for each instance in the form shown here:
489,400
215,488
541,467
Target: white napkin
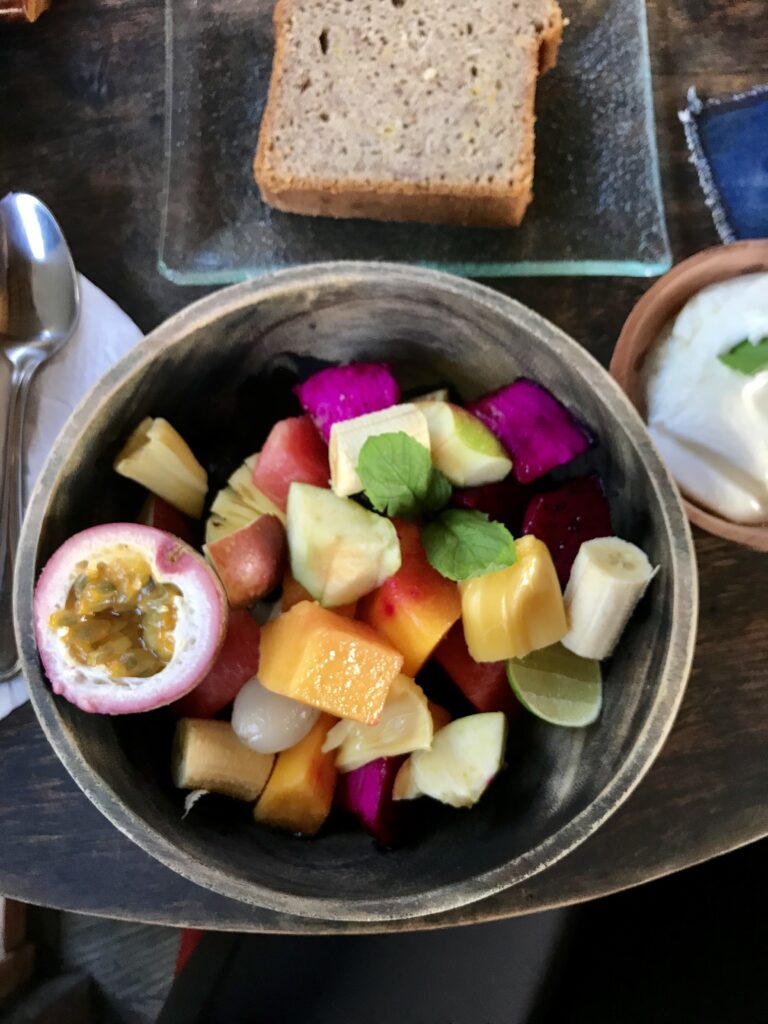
103,335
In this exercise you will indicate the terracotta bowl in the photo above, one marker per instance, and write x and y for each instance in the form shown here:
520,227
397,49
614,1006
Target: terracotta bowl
644,325
217,372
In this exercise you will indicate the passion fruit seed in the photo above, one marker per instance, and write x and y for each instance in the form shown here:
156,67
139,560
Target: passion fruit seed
117,615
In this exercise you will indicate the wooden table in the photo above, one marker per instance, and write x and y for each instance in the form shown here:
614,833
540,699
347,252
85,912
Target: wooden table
81,95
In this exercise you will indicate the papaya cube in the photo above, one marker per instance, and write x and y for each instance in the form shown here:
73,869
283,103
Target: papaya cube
330,662
299,794
416,607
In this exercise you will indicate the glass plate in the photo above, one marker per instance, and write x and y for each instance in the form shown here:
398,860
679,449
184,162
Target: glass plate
597,208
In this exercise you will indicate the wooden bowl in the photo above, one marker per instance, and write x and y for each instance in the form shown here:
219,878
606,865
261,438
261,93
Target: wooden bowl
644,325
215,371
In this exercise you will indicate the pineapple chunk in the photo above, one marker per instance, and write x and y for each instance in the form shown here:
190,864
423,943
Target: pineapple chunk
349,436
405,725
239,504
156,456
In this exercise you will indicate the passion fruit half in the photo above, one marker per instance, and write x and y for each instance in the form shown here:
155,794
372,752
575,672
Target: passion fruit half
127,618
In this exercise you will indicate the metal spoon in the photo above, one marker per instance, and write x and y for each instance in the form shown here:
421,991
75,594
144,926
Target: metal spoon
39,308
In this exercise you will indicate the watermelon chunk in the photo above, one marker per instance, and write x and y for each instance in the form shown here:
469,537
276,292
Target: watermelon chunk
504,502
345,392
484,685
236,662
366,793
294,451
566,517
535,428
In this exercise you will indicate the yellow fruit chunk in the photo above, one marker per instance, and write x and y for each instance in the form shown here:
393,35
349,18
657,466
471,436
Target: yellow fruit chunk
509,613
157,456
330,662
299,793
405,725
208,755
239,504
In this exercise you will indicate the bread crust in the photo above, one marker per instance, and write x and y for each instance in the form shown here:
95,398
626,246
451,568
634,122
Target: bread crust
474,204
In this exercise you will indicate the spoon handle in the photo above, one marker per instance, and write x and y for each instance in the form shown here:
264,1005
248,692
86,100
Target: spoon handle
11,503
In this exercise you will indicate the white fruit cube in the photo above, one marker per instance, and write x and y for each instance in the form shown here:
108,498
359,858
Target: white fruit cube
349,436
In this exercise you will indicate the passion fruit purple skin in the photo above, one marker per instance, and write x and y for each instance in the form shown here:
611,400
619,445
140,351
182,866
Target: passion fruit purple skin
200,628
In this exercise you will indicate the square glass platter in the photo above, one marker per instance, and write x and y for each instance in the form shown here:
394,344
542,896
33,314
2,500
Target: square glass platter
597,208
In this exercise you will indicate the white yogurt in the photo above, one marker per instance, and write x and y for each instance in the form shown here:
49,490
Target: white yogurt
710,422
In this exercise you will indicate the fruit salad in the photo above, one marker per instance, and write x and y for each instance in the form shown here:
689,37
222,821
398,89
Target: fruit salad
291,620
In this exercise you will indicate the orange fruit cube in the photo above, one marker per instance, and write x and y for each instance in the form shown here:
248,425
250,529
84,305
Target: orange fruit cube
416,607
327,661
299,793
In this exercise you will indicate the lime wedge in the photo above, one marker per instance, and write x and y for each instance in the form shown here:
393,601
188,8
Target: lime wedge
558,686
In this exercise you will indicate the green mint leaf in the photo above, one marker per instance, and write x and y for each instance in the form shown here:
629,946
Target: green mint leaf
439,492
747,358
462,544
398,476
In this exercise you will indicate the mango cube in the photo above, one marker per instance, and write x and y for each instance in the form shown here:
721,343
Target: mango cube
416,607
327,661
509,613
299,794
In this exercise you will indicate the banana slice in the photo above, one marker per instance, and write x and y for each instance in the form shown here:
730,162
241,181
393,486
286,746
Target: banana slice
349,436
608,578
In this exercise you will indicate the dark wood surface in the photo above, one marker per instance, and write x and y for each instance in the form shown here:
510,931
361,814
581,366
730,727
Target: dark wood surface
81,110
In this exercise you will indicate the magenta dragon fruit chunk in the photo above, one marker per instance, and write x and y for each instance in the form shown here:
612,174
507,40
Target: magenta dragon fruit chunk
344,392
565,517
366,793
535,428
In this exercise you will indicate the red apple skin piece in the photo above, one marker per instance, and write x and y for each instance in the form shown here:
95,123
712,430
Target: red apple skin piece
293,452
250,562
159,513
414,608
237,662
484,685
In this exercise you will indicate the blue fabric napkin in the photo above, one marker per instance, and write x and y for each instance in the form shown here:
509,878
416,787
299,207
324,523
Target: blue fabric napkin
728,140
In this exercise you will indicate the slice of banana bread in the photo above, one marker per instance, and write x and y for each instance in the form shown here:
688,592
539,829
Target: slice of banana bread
416,110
